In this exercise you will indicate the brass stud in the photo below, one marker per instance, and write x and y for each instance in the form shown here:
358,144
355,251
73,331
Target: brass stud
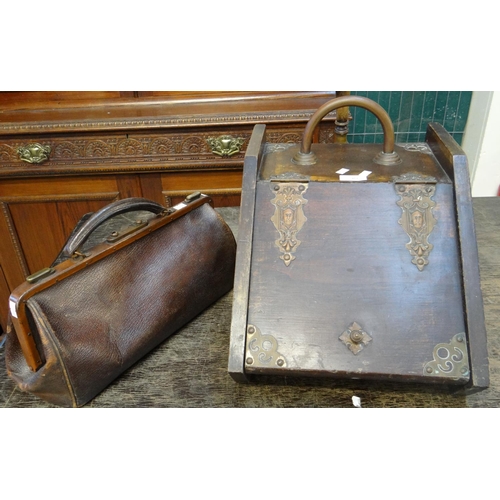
356,336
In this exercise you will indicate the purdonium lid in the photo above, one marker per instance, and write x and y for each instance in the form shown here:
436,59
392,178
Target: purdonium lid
358,263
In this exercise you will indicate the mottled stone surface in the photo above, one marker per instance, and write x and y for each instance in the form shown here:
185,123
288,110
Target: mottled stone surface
190,368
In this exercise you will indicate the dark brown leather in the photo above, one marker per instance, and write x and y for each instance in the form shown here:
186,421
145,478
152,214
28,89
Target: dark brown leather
98,322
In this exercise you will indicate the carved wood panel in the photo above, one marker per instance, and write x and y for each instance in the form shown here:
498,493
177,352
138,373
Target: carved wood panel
139,150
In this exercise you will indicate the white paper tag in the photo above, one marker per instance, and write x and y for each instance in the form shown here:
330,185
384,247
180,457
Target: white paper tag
13,308
342,171
363,176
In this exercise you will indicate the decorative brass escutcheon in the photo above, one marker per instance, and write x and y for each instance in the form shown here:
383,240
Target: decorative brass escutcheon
262,350
225,145
355,338
449,360
417,220
288,217
34,153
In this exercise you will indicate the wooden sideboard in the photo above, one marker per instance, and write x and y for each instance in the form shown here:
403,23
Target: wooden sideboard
63,154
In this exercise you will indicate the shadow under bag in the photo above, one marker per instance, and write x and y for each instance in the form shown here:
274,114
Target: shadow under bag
77,325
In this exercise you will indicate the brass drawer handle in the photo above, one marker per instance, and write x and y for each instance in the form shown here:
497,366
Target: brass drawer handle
225,145
34,153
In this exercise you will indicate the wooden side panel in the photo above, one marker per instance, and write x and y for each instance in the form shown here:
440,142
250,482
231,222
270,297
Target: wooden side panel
128,186
43,226
38,187
454,161
151,187
4,292
11,255
223,186
244,254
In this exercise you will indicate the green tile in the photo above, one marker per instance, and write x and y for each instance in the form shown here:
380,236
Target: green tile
458,136
384,99
395,106
355,125
410,113
359,118
373,95
371,121
450,112
416,113
463,111
440,107
401,137
413,137
421,137
356,139
429,106
403,123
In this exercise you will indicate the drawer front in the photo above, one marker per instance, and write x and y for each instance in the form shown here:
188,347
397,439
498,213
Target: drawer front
216,147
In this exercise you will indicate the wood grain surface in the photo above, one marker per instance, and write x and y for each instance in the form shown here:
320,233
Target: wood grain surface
190,369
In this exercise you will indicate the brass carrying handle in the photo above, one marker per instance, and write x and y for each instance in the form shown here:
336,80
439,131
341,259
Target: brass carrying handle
387,157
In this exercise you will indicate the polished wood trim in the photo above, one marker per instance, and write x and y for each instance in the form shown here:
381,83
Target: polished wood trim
4,309
17,266
454,161
244,254
166,112
42,198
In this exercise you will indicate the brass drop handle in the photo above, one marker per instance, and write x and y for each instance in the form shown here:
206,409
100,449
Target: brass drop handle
225,145
387,157
34,153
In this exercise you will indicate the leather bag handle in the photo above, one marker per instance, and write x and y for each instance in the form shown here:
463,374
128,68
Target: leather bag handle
387,157
82,233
